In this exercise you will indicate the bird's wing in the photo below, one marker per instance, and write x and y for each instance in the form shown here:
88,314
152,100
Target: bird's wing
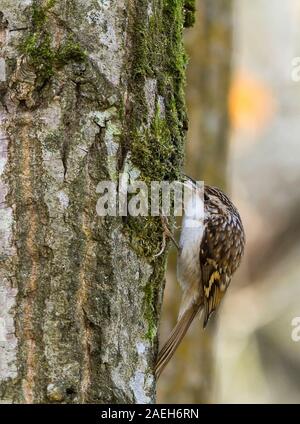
214,278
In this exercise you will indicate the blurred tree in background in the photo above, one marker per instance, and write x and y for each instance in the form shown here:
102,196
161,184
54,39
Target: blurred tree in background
209,46
254,355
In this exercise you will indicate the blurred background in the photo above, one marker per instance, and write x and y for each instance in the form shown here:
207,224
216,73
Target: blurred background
244,136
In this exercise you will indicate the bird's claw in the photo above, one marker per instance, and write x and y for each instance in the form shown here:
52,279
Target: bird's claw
167,233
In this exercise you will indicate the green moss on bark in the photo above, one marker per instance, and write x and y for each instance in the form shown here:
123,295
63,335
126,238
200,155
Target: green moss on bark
149,307
39,47
154,145
189,10
157,147
70,51
159,55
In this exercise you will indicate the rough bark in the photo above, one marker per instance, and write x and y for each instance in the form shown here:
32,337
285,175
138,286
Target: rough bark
89,89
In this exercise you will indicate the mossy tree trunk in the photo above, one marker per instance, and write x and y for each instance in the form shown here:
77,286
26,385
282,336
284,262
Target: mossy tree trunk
89,89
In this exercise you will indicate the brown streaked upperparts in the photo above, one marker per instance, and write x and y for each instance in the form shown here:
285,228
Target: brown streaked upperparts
221,249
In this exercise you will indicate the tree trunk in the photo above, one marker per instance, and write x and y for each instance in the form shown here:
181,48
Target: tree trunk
89,89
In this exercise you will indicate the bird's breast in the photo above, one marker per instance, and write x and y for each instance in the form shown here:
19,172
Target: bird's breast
188,264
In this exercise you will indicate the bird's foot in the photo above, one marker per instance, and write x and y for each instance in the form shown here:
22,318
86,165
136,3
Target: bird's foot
167,233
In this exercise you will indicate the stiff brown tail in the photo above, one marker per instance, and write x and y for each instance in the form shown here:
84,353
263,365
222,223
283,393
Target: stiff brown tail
175,338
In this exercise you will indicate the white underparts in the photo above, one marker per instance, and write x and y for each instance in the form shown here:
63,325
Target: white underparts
188,264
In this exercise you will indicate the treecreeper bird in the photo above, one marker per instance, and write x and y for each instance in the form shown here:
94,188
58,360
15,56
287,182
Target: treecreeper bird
210,250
